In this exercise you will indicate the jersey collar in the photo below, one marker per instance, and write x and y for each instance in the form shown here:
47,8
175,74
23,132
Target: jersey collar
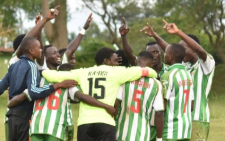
177,65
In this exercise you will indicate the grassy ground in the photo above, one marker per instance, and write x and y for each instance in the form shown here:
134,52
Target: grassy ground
216,104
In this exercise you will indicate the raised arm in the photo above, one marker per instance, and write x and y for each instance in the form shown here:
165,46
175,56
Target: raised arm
126,47
35,31
74,44
39,38
151,33
172,29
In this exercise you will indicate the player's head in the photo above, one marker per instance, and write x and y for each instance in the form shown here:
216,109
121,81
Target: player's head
30,46
145,59
155,50
65,67
124,62
72,60
174,53
52,55
17,41
106,56
190,54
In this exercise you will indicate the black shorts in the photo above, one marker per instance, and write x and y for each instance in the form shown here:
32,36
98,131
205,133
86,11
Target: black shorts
96,132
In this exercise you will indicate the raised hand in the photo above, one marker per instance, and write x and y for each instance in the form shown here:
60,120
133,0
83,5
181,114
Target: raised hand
148,30
52,13
119,60
124,29
38,18
170,27
87,24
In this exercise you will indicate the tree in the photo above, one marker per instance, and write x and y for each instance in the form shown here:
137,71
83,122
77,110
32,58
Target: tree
205,15
56,32
111,11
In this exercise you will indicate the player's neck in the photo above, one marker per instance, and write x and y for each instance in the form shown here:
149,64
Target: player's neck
30,56
51,67
158,67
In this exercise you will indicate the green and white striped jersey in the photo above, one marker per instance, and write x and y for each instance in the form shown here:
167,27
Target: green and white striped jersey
163,70
50,114
69,111
178,91
139,98
202,73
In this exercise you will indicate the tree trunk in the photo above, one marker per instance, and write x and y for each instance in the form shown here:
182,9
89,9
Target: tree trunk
56,32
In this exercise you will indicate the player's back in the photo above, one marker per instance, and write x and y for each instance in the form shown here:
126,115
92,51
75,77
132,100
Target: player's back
50,114
179,95
101,82
137,108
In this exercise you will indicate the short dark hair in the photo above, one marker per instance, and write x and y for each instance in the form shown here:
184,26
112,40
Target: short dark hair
150,43
195,38
45,48
103,53
26,44
62,51
146,54
66,67
178,51
124,62
17,41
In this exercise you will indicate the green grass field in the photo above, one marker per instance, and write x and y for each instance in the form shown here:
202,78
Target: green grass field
216,104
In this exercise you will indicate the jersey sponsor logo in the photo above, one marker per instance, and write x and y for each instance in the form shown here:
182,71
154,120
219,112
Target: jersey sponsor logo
98,73
141,84
187,82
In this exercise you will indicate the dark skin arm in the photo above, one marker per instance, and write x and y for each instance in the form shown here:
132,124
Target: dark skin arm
16,100
172,29
116,106
151,33
36,30
159,122
126,47
192,105
39,38
92,101
72,47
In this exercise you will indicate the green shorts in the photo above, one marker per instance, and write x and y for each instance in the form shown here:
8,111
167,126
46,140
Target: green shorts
6,131
69,133
200,131
153,133
43,137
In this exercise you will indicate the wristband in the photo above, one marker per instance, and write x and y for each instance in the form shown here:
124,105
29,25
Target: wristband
158,139
145,72
44,20
82,31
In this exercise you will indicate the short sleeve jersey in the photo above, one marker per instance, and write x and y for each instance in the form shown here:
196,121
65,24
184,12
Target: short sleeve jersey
178,91
50,114
202,73
101,82
139,98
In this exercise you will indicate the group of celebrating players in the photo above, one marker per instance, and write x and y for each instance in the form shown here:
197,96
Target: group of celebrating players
123,97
